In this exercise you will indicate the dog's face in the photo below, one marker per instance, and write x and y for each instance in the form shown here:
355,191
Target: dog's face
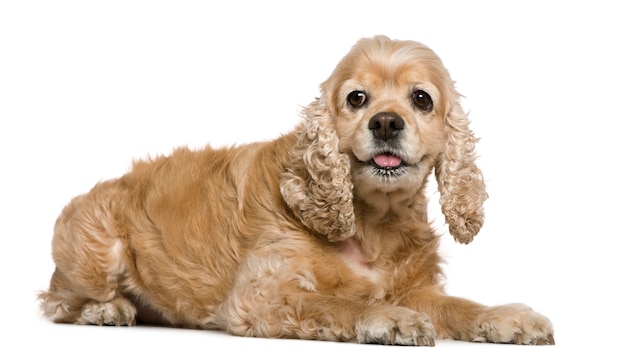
387,116
389,101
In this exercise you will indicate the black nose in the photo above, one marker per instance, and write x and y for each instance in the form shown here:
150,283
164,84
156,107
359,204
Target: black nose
386,125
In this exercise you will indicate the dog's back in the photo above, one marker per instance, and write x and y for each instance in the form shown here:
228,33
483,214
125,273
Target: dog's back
169,236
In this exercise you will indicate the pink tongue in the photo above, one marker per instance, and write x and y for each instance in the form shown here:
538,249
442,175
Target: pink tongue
387,160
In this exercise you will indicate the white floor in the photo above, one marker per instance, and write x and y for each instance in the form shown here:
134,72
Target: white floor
41,340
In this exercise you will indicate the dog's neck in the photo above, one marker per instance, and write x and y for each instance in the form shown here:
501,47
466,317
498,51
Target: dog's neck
380,218
384,207
394,199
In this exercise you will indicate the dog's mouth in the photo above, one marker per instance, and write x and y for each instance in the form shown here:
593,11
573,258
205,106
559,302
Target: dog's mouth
387,165
386,161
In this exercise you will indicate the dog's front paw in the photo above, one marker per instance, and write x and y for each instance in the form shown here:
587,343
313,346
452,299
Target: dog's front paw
395,325
118,312
514,323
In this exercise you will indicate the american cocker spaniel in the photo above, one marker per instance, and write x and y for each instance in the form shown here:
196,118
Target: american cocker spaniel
322,233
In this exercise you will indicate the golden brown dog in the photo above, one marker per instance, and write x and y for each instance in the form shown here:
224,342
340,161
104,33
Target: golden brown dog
319,234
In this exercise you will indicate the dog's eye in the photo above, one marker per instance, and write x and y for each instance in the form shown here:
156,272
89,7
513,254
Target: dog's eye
357,99
422,100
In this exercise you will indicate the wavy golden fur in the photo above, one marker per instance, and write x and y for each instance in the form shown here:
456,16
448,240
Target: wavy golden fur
319,234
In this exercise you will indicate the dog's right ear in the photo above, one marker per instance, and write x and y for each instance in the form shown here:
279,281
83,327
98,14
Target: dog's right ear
318,186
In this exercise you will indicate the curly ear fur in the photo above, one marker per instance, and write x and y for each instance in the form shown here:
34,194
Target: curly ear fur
318,187
461,183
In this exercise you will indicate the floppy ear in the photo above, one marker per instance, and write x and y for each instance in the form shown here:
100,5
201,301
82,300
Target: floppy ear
461,183
318,187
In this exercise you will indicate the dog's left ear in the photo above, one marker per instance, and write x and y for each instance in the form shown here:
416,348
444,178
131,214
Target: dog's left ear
461,183
318,186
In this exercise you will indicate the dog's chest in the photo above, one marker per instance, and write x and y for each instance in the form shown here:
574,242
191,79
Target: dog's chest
352,255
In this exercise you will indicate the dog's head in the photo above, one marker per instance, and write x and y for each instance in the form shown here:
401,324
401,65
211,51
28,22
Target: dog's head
388,115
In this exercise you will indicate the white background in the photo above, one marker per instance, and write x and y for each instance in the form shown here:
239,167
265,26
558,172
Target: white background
85,87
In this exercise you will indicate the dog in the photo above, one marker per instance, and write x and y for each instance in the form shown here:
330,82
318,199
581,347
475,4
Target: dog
321,233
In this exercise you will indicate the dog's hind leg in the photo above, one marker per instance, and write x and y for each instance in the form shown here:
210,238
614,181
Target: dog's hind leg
91,259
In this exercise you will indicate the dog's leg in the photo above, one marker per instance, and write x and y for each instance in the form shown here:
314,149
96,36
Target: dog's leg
313,316
90,258
275,296
463,319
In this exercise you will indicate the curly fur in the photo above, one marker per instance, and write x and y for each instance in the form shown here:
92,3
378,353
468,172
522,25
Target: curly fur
321,233
461,184
317,187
